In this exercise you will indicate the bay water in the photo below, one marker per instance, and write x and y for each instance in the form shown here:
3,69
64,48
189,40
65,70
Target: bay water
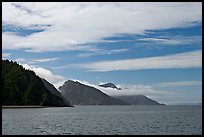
104,120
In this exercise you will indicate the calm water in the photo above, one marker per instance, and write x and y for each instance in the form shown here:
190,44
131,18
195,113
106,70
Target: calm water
99,120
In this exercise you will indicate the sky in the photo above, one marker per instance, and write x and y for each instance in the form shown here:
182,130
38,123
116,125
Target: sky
154,49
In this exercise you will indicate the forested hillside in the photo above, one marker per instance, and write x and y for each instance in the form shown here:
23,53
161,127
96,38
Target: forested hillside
24,87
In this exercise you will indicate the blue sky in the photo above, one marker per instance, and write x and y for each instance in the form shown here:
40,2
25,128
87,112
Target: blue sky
149,48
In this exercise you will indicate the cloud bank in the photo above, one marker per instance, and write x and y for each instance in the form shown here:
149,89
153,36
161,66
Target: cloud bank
72,26
178,84
54,79
191,59
153,91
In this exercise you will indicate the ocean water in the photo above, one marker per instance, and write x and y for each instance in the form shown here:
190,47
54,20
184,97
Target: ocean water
104,120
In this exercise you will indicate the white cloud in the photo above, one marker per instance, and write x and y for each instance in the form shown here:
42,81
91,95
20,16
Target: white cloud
12,41
6,55
178,84
133,90
191,59
20,60
46,74
174,40
74,24
102,52
35,61
45,59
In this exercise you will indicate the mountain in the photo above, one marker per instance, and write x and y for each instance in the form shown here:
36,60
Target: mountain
80,94
138,100
24,87
54,91
109,85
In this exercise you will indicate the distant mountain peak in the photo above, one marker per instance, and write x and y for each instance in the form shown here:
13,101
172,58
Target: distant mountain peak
72,83
69,81
80,94
109,85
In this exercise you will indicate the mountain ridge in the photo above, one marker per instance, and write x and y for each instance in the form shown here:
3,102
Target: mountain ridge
80,94
138,100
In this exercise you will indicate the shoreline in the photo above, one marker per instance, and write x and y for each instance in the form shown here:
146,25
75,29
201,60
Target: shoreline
29,106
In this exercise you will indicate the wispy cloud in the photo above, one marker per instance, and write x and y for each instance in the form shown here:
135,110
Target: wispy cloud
173,40
90,22
6,55
35,61
45,59
191,59
20,59
178,84
102,52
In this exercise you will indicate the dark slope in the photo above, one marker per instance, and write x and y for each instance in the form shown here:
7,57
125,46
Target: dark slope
54,91
24,87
